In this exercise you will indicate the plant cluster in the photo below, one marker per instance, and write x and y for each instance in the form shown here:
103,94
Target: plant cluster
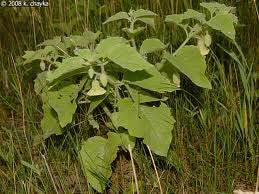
114,75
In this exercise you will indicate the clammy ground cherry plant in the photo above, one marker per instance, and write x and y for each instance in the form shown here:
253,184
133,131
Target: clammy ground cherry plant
114,75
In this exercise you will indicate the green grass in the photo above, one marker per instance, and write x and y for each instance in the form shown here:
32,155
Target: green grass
216,137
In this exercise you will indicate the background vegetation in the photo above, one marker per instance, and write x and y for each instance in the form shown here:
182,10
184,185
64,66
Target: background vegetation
215,145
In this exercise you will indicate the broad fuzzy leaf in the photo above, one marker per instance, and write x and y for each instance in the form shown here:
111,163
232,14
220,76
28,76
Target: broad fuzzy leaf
90,36
84,53
87,54
83,40
122,140
40,83
153,124
166,69
207,39
52,42
192,14
149,79
217,7
224,23
122,54
141,96
223,20
78,40
135,32
95,166
93,122
96,101
63,102
69,67
191,63
128,58
106,44
96,89
175,18
151,45
104,79
40,54
143,13
148,21
49,123
96,156
117,16
189,14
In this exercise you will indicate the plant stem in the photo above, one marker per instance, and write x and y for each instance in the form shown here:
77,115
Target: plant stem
157,176
182,45
132,29
106,110
189,36
133,168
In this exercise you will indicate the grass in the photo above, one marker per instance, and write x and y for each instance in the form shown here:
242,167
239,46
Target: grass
215,145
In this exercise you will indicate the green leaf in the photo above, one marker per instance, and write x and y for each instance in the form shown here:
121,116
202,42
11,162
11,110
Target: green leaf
192,14
166,69
78,40
40,54
49,123
135,32
91,36
96,157
150,79
105,44
122,140
189,14
176,79
104,79
98,153
117,16
153,124
191,63
84,53
143,13
29,55
141,96
69,67
224,23
128,58
83,40
207,39
217,7
91,72
148,21
175,18
63,102
40,82
96,101
42,66
222,18
122,54
52,42
151,45
87,54
96,89
93,122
